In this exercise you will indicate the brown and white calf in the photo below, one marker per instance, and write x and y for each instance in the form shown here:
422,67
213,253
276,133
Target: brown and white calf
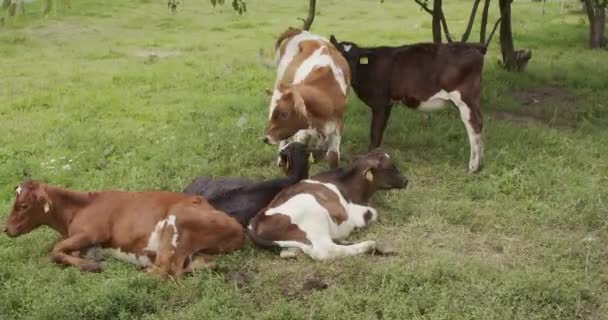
310,91
310,215
162,231
424,77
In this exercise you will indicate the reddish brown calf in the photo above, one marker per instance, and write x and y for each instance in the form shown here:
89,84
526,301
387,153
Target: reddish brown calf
161,231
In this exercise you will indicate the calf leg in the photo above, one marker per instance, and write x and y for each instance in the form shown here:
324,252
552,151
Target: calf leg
326,249
329,250
380,117
333,149
201,261
61,253
282,144
471,117
169,258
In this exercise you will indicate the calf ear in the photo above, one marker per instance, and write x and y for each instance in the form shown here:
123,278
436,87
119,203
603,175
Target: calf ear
333,40
44,199
47,204
298,104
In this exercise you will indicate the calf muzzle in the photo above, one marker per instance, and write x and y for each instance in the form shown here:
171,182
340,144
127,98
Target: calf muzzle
9,233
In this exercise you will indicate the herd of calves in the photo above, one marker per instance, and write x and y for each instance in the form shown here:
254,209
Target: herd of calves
171,233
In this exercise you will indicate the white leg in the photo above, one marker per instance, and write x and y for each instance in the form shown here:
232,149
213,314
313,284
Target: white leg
333,142
330,250
333,149
325,249
282,145
475,139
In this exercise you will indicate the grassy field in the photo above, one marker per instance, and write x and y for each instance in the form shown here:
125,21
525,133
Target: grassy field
125,95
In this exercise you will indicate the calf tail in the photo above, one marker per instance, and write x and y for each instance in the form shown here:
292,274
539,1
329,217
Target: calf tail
258,241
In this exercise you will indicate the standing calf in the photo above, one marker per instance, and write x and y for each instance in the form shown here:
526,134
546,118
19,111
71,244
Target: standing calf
309,92
310,215
241,198
162,231
425,77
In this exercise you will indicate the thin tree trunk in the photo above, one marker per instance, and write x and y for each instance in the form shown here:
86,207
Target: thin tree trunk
311,14
446,31
543,9
484,21
437,14
439,20
506,36
597,22
467,32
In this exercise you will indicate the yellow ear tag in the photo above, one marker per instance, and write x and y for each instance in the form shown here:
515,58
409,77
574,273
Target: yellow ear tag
47,208
311,159
369,176
363,60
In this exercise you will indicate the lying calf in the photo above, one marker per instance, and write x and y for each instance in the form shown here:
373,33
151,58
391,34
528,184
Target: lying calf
310,215
158,230
242,198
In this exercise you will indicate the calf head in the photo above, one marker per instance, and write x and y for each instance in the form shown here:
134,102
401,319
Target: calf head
295,159
353,54
380,171
287,115
31,209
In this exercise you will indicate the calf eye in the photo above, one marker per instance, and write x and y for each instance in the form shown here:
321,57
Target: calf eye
282,115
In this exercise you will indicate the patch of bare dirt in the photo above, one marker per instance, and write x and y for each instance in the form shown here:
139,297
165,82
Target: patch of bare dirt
310,284
545,95
240,279
526,121
154,53
62,29
547,105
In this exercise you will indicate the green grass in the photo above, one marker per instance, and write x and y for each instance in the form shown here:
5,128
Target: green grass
82,106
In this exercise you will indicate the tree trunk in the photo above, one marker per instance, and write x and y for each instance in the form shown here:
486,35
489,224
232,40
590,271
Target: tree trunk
467,32
506,36
484,21
311,14
437,15
543,9
597,23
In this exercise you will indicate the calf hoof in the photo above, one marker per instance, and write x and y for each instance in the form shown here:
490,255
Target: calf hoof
384,250
90,267
474,169
156,271
333,159
280,162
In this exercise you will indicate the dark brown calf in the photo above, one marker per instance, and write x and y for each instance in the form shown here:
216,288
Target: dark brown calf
161,231
241,198
425,77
